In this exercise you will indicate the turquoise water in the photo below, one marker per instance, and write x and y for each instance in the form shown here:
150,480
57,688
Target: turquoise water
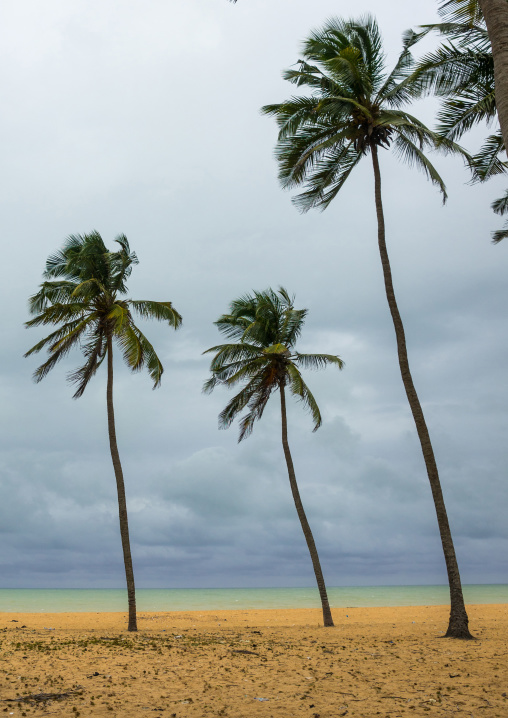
50,600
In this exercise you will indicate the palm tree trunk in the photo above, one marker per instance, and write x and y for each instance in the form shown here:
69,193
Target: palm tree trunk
120,486
458,623
495,13
327,614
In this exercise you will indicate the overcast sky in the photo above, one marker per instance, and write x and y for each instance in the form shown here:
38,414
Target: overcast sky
143,118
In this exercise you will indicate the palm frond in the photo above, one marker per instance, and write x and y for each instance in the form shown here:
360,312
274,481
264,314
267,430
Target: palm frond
162,311
54,337
500,206
226,353
396,89
486,163
89,289
131,347
318,361
461,10
500,234
300,389
412,155
56,314
292,325
459,114
238,403
95,351
51,292
325,182
150,358
59,350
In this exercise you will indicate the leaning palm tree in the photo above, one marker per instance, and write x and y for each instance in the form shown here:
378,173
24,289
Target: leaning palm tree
355,109
265,327
83,296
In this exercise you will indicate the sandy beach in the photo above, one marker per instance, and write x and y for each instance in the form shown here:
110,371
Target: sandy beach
374,662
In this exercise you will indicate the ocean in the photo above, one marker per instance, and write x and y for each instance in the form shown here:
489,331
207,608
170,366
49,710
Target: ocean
49,600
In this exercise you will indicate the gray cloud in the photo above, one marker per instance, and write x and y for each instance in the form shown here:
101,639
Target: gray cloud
146,122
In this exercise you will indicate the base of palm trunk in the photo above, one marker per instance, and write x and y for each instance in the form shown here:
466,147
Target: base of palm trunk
461,632
133,620
458,627
327,618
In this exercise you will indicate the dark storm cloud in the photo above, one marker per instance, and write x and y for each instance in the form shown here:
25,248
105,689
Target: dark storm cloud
146,122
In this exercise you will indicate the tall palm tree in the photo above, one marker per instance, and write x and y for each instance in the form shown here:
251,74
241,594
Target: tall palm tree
82,295
265,327
355,110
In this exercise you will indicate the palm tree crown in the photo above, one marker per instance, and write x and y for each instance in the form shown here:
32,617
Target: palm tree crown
354,106
265,326
83,295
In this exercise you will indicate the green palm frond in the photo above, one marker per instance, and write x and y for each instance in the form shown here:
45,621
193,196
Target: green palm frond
151,360
162,311
51,293
500,234
459,114
89,289
95,351
487,163
131,347
468,11
325,182
293,324
57,313
59,350
231,374
413,155
239,402
120,264
118,317
226,353
303,154
257,403
239,371
397,90
57,264
299,388
500,206
318,361
54,337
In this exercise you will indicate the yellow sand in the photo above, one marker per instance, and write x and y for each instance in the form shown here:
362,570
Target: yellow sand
374,662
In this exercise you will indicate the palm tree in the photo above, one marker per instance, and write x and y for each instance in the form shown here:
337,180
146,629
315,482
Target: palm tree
354,110
462,72
82,296
265,327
